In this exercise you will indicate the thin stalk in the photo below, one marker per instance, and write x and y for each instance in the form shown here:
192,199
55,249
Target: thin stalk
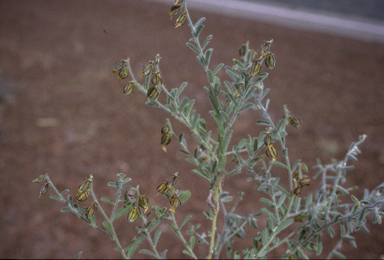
73,209
114,235
182,237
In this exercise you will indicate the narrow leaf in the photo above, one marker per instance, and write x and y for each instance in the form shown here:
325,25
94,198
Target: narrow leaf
190,45
105,199
122,211
284,225
146,251
108,226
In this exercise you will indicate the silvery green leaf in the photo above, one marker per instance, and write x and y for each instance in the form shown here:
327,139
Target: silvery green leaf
122,211
55,197
218,68
184,102
190,45
284,225
264,236
261,122
209,37
200,21
108,226
105,199
200,27
146,251
207,57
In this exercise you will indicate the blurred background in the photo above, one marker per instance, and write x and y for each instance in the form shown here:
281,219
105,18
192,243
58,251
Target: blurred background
63,112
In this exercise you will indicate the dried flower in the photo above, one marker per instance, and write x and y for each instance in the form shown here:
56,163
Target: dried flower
128,89
242,50
44,189
175,9
165,129
175,202
297,191
143,202
84,186
153,93
123,73
271,152
156,80
181,20
82,196
163,188
39,179
133,214
147,69
118,66
267,139
300,218
172,181
256,68
270,61
92,209
265,48
304,181
294,121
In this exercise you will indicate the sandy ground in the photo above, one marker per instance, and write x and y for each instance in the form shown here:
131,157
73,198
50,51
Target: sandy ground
56,59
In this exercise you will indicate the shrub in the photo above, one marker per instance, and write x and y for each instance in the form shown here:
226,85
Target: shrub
215,161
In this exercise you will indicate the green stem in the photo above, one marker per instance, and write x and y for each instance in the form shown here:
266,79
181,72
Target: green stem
114,235
72,208
179,234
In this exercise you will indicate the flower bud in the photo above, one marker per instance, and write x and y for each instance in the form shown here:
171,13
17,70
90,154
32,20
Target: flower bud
123,73
44,189
92,209
118,66
181,20
82,196
270,61
147,69
128,89
172,181
163,188
153,93
256,68
133,214
156,80
143,202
